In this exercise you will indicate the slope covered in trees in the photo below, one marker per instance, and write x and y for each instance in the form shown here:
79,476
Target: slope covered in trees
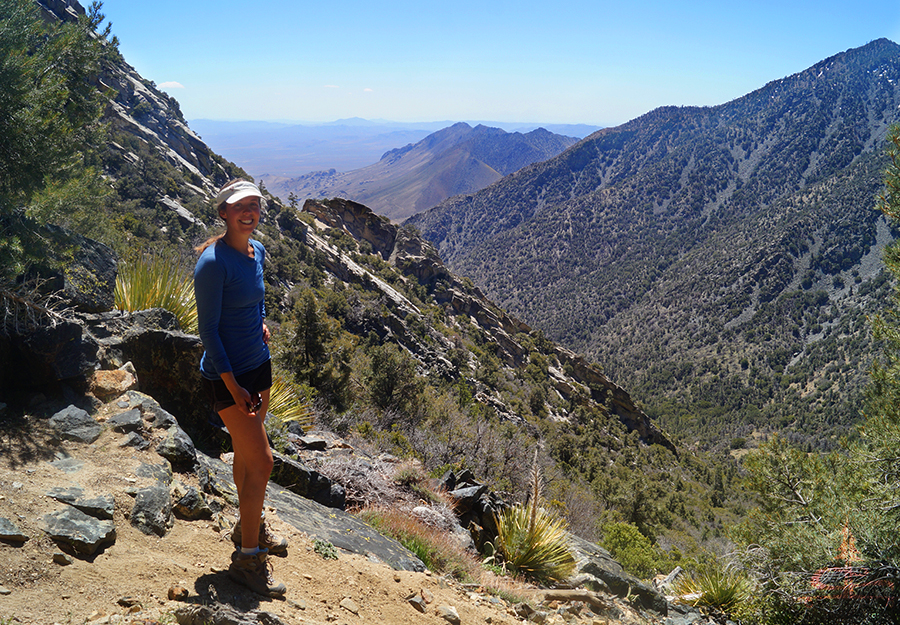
718,261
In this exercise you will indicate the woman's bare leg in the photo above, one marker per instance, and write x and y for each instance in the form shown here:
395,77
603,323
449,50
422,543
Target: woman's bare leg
252,465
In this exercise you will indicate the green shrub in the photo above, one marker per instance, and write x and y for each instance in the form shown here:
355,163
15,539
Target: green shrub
632,550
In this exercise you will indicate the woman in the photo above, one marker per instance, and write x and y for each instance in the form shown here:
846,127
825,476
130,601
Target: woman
237,372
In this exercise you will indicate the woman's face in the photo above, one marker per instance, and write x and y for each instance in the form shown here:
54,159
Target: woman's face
242,216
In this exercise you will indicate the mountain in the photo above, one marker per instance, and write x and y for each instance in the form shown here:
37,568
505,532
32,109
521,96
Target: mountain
281,150
453,161
392,349
718,261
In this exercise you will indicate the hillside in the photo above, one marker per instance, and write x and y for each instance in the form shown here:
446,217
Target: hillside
718,261
456,160
367,324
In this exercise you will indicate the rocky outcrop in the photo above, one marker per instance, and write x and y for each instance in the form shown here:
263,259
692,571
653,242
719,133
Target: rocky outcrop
418,260
358,220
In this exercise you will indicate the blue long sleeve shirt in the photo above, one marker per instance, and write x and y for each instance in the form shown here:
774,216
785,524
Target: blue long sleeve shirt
230,295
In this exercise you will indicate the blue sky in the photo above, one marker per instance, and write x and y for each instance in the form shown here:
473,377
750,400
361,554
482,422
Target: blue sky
568,61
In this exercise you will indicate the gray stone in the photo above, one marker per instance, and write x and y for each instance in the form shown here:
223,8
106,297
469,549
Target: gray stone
449,614
9,531
159,418
341,529
152,511
189,503
417,602
300,479
595,561
75,424
350,605
101,507
178,448
314,443
67,465
162,473
84,533
89,280
126,422
133,439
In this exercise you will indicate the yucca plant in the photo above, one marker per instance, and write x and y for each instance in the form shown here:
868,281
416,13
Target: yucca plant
714,587
532,541
286,404
157,280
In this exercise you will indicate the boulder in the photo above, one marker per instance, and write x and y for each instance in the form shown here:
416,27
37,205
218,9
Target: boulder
595,562
152,510
10,532
74,424
178,448
300,479
84,533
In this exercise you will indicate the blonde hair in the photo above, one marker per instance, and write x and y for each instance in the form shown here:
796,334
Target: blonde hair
214,239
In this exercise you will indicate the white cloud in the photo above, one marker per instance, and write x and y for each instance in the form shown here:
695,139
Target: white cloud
368,89
332,87
170,85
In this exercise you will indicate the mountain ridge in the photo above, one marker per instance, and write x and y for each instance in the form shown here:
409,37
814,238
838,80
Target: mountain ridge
455,160
603,234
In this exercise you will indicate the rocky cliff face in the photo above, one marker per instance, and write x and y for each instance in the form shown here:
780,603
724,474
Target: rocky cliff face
417,259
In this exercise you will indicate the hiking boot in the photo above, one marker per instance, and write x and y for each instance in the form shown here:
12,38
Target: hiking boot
253,571
274,543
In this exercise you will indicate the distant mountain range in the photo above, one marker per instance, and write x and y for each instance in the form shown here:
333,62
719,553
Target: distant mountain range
452,161
289,150
719,261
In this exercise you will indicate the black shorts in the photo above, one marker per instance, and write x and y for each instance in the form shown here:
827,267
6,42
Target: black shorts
255,381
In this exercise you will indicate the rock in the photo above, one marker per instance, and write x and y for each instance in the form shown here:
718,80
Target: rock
75,424
300,479
178,448
449,614
335,526
466,497
84,533
350,605
220,614
67,464
189,503
88,280
154,413
5,591
126,422
101,507
595,561
133,439
107,385
523,610
63,559
162,472
178,593
152,511
10,532
417,602
313,443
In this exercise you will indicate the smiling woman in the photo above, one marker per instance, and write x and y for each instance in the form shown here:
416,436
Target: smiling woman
237,371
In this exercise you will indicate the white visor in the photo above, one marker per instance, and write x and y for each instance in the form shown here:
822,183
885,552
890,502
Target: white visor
237,192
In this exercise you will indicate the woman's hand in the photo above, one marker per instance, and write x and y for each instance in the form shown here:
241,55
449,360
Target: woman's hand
266,333
247,403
